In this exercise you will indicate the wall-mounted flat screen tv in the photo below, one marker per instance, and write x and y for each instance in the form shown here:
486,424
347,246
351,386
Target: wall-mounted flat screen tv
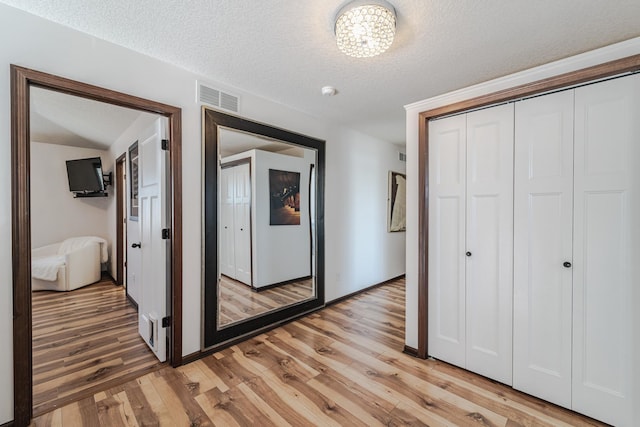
85,175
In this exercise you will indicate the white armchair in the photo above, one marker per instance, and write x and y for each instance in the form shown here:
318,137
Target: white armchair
68,265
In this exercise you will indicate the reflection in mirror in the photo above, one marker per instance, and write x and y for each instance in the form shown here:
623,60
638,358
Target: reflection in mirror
263,226
266,234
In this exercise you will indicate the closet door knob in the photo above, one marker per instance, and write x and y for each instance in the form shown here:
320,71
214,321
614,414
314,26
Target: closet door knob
567,264
135,245
468,253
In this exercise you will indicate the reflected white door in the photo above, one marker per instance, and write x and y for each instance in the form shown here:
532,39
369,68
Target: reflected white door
606,250
242,223
489,242
543,216
447,178
152,307
227,244
235,223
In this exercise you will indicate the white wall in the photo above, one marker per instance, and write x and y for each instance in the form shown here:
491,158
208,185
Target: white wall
55,213
578,62
360,252
282,251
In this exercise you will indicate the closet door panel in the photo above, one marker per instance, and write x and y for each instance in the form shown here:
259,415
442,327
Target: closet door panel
227,243
543,217
242,220
489,267
447,153
606,252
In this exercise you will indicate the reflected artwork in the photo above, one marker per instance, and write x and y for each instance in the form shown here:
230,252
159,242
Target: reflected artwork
284,192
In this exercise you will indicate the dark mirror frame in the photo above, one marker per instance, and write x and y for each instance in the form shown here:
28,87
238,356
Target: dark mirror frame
212,336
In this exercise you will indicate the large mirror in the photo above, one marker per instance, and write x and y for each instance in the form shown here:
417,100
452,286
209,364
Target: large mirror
263,226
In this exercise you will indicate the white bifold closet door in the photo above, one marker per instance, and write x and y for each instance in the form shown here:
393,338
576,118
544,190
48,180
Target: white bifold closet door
543,234
235,227
606,251
226,252
577,249
471,241
489,248
447,212
242,203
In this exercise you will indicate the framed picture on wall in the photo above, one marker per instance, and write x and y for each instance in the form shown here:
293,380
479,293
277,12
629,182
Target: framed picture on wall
396,202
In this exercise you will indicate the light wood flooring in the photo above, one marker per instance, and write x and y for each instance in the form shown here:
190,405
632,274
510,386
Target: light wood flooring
238,301
83,341
340,366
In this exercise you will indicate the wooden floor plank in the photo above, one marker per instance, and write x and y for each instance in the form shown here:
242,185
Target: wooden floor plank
178,400
269,412
342,366
140,406
83,340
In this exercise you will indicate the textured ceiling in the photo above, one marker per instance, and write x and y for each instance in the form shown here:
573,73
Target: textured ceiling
285,50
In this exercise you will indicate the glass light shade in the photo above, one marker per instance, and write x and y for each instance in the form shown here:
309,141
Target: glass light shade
366,30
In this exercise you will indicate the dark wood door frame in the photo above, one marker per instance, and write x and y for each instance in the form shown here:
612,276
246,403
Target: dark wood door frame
608,69
22,79
120,218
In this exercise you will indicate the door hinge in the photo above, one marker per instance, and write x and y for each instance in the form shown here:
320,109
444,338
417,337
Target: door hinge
166,233
166,322
165,144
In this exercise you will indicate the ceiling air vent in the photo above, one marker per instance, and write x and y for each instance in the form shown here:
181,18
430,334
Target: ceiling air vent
217,98
402,156
228,102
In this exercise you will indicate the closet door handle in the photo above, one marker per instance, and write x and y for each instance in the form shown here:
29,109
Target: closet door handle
566,264
468,254
136,245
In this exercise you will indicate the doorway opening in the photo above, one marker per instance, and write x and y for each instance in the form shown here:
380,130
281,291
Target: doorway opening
22,80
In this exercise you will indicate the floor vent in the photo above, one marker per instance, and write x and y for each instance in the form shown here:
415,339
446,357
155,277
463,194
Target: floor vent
402,156
217,98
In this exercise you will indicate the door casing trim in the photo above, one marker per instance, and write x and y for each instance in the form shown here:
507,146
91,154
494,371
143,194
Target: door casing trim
21,81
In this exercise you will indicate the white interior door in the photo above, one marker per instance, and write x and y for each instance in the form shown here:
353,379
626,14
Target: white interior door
447,177
123,200
489,236
543,216
133,254
152,307
227,242
134,261
606,250
242,223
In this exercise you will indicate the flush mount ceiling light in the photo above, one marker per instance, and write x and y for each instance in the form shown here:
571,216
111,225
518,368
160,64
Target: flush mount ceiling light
365,28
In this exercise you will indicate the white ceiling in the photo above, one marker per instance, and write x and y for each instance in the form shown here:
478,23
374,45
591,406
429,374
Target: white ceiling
233,141
57,118
285,50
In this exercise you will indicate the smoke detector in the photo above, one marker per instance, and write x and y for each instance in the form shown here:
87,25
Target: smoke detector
329,91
